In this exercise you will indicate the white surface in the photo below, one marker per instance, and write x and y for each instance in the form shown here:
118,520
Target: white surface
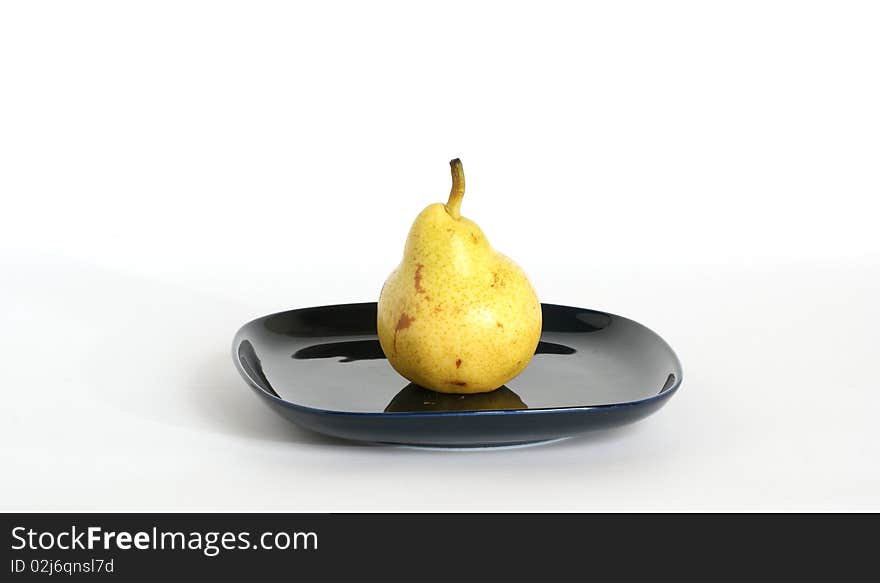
172,170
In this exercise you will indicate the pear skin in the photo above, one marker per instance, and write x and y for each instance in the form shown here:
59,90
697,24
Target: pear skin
456,316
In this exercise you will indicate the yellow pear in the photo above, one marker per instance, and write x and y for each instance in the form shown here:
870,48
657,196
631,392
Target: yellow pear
456,316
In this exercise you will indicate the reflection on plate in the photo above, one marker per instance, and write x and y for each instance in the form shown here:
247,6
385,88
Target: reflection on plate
415,398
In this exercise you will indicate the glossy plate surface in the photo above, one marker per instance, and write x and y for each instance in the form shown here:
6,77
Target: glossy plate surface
323,368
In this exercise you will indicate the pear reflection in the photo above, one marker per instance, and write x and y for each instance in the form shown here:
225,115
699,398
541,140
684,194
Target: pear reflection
355,350
414,398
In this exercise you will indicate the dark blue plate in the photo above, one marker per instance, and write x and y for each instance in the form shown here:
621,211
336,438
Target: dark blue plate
323,369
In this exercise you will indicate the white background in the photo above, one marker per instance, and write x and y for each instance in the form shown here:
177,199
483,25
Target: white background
170,170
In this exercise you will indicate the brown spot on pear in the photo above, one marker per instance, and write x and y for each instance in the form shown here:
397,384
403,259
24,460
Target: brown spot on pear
402,324
417,278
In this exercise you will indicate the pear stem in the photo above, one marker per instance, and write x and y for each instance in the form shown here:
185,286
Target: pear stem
453,206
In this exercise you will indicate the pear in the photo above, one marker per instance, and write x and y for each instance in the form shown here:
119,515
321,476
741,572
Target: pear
456,316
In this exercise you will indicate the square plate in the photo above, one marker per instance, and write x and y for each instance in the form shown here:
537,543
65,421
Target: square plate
323,369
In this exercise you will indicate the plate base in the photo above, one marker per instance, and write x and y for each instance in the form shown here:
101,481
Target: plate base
520,445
